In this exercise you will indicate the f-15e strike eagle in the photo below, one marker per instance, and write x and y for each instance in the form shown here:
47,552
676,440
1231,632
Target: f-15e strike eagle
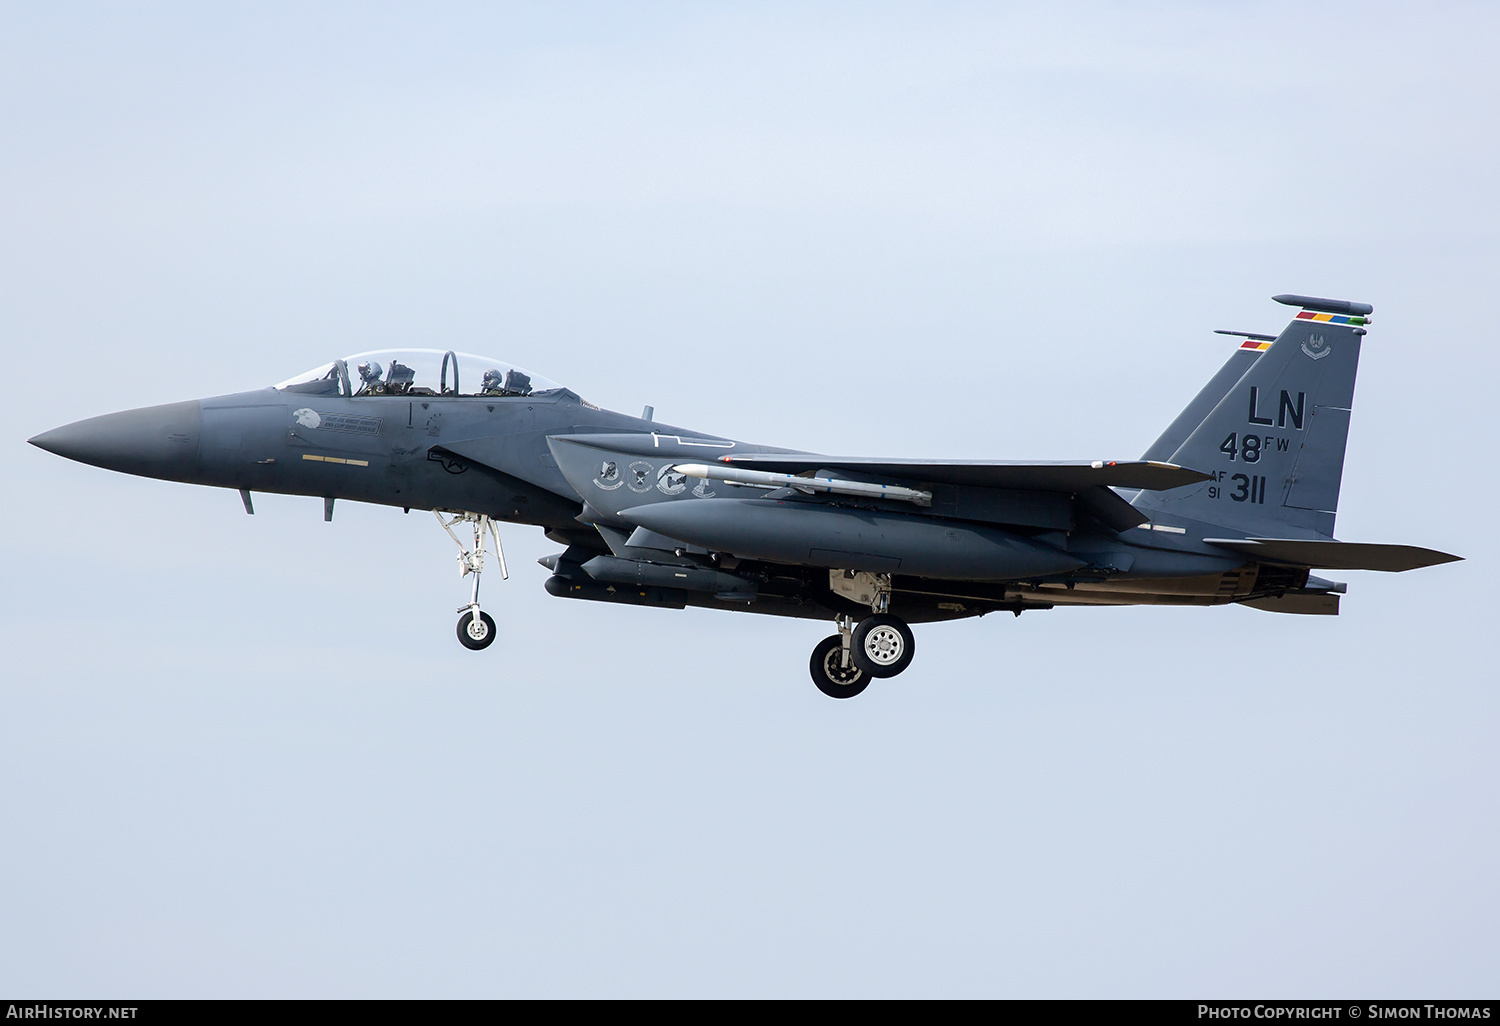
1234,502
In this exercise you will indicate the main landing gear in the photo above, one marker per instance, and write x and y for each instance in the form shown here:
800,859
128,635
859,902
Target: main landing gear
476,628
881,645
833,668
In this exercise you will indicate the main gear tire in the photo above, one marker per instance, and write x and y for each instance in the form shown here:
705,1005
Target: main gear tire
476,634
830,674
883,645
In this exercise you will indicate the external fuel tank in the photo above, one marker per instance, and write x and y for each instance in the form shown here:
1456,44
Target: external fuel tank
819,534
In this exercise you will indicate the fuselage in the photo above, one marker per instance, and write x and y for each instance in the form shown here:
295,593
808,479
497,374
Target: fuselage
490,454
1235,502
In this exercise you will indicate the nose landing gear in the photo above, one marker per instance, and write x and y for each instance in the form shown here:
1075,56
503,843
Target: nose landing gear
476,628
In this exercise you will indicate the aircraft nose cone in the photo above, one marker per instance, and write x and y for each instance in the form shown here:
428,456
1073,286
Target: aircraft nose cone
156,441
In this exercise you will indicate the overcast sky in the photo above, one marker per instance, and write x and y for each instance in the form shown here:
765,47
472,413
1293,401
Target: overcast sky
247,757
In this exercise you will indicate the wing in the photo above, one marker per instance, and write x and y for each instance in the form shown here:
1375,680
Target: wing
1043,477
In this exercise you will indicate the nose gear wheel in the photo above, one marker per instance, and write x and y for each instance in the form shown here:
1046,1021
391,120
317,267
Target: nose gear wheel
476,631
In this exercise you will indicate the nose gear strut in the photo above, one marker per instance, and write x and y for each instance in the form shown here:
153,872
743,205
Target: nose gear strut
476,628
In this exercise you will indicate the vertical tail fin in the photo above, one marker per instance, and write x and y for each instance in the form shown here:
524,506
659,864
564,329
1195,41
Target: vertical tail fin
1203,403
1275,438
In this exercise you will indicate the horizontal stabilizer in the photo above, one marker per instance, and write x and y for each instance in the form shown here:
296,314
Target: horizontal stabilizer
1300,603
1042,477
1334,555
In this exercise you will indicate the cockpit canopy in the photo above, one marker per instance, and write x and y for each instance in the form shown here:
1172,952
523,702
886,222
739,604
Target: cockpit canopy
417,372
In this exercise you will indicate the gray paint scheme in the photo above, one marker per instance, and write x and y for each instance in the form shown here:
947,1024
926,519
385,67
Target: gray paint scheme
1334,555
1293,403
812,533
1043,477
1203,403
1338,306
1208,521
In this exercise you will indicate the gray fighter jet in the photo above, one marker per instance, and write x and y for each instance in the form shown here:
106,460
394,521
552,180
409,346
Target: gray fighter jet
1234,502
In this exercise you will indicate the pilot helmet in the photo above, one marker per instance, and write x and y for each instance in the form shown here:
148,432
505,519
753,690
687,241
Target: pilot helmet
370,372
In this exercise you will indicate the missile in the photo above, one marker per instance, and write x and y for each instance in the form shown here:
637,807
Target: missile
832,485
810,533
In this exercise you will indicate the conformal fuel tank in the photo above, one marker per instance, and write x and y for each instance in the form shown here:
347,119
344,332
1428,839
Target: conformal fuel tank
815,534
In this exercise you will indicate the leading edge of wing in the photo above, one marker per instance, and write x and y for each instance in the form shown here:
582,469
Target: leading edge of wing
1062,476
1335,555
